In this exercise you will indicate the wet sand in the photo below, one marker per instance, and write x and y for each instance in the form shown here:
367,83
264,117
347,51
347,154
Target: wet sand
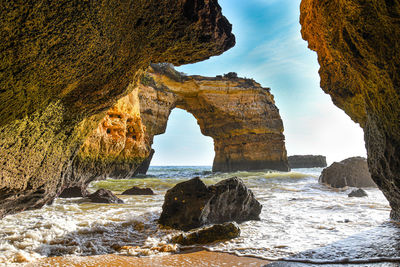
198,258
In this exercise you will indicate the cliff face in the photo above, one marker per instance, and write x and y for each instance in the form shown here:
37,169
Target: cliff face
357,43
237,113
65,62
307,161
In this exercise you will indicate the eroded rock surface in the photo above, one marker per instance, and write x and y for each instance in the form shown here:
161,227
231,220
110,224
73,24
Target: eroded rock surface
357,43
66,62
349,172
237,113
207,235
192,204
307,161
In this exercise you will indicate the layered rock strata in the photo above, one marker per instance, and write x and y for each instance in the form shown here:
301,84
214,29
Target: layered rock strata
357,43
307,161
238,113
64,63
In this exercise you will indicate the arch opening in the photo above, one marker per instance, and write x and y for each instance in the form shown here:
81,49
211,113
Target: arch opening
182,146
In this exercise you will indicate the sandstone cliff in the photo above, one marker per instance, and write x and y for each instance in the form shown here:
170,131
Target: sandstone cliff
307,161
358,43
237,113
65,62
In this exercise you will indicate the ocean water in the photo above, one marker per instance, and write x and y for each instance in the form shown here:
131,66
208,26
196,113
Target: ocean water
300,219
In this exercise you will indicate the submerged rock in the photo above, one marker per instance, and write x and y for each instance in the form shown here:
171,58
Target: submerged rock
192,204
307,161
138,191
358,193
75,191
349,172
104,196
215,233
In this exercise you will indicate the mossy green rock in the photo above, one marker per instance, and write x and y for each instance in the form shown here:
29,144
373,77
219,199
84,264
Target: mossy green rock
358,47
65,62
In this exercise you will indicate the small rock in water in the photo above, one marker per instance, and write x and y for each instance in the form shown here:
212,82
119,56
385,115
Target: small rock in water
75,191
215,233
358,193
104,196
138,191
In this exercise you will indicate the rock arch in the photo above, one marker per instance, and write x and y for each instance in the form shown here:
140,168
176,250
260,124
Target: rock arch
237,113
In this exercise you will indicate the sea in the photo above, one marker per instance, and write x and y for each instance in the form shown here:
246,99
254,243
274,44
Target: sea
300,220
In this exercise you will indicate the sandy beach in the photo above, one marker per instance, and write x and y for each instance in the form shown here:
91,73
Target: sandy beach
198,258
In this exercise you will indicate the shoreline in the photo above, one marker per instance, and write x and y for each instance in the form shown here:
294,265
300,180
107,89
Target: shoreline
187,259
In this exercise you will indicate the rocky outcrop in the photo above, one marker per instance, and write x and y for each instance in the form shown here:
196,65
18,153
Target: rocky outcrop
104,196
349,172
237,113
144,166
307,161
64,63
207,235
138,191
357,43
192,204
75,191
358,193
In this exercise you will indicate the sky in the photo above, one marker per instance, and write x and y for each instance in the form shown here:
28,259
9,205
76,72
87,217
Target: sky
269,49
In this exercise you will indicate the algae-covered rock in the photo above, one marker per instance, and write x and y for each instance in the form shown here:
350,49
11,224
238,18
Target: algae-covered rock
357,43
63,63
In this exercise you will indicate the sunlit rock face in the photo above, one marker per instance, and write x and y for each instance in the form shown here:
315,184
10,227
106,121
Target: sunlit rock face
358,43
64,63
239,114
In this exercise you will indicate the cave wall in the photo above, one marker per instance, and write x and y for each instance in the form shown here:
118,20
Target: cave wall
64,63
358,47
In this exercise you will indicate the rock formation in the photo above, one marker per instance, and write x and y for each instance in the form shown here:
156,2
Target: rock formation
237,113
358,193
138,191
357,43
66,62
349,172
105,196
207,235
307,161
192,204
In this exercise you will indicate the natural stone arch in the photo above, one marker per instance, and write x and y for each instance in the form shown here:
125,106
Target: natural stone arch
237,113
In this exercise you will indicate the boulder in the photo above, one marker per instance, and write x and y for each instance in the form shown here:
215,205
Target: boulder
192,204
307,161
358,193
211,234
104,196
138,191
349,172
75,191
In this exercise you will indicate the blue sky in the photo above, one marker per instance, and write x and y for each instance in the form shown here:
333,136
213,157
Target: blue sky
269,48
